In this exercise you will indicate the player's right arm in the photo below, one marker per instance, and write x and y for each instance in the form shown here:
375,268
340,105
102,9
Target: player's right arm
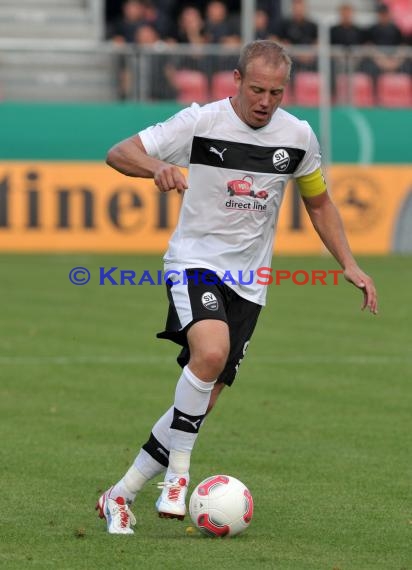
130,158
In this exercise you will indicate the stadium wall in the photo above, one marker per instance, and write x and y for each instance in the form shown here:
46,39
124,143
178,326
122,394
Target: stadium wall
56,193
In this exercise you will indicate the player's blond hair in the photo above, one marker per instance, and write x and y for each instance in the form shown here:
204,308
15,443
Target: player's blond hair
271,51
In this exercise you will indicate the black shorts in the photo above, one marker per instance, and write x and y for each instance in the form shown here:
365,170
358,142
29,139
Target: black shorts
206,297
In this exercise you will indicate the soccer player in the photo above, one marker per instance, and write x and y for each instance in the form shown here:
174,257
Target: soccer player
240,152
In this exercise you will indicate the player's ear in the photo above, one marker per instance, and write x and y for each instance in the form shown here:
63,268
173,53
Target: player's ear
237,76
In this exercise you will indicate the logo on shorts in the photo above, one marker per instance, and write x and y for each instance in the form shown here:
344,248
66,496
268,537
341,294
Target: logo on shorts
281,159
209,301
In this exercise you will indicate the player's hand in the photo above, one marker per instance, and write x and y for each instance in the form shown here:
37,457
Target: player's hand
365,283
169,177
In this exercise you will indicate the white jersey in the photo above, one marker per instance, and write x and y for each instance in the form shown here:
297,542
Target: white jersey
236,182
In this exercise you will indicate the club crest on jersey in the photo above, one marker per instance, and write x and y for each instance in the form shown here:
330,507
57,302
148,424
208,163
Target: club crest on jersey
281,159
209,301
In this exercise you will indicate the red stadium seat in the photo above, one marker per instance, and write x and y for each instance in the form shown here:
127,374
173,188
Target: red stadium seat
307,88
355,89
191,86
394,90
222,85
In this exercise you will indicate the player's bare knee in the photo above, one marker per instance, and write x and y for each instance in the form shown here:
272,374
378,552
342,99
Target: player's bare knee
215,359
208,362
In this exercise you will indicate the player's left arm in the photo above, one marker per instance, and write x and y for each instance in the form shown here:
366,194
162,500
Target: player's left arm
327,222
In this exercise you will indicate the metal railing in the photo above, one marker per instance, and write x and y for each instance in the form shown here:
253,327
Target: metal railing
88,70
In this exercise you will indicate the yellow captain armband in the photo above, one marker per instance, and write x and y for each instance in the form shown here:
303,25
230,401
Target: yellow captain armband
311,184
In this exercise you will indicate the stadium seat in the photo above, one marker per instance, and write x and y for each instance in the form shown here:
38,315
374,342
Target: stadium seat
191,86
307,88
394,90
222,85
355,89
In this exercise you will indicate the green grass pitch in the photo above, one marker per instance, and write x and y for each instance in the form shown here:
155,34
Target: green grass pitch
318,423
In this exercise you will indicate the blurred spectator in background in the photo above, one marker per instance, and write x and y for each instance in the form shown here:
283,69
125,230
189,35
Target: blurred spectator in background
155,75
219,25
263,30
299,30
273,9
387,40
191,30
124,28
190,27
385,32
147,35
346,33
156,14
222,28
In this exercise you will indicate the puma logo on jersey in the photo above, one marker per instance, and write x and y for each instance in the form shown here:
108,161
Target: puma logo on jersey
193,424
219,153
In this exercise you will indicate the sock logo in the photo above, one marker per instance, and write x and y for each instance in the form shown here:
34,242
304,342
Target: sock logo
186,422
195,427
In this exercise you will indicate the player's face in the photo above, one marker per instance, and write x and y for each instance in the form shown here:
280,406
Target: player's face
259,91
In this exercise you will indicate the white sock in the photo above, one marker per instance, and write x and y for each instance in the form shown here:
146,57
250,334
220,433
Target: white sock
144,467
191,400
192,397
161,429
130,484
179,464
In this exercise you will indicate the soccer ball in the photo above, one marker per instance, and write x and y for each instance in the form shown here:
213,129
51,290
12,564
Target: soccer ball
221,505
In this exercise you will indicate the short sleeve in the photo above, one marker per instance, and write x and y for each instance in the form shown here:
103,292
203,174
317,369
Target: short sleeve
312,159
171,140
